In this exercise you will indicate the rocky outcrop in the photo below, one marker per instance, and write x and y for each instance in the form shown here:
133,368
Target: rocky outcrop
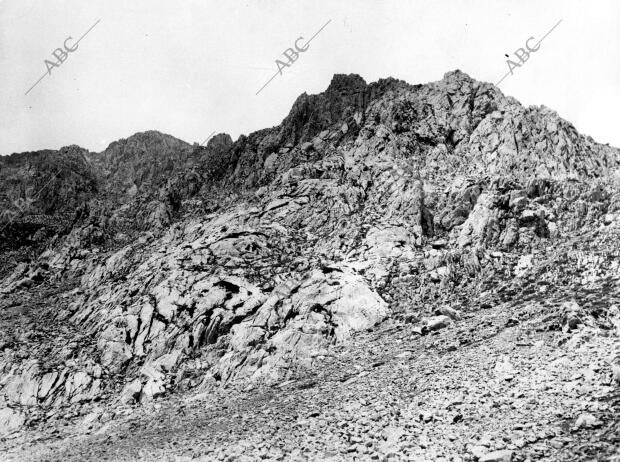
10,421
181,266
193,298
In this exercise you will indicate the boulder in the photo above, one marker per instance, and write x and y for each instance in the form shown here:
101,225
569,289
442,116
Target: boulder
10,421
497,456
131,392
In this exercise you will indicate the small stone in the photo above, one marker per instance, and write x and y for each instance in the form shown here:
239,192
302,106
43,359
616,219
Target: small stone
586,421
504,370
437,322
615,372
477,450
571,316
426,416
497,456
451,312
152,389
519,442
439,243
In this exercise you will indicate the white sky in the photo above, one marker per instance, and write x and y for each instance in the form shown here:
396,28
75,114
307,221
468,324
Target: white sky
188,68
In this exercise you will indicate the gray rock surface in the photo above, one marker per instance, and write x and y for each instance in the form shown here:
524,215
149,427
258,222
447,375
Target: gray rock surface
156,270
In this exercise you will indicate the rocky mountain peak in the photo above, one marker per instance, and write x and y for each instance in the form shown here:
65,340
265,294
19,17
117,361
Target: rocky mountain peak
393,215
149,143
457,75
220,141
346,84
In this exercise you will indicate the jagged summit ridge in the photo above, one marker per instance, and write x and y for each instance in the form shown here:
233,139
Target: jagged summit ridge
237,263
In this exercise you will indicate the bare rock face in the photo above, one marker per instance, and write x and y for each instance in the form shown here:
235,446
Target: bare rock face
171,267
300,321
10,421
192,298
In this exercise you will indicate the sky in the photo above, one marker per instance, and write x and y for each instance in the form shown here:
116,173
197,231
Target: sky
191,68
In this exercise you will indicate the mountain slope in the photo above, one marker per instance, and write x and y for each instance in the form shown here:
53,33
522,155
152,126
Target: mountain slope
243,264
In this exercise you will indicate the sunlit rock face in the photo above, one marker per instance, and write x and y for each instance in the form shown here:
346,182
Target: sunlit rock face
171,267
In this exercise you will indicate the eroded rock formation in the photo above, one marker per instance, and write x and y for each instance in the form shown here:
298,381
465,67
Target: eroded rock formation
166,266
